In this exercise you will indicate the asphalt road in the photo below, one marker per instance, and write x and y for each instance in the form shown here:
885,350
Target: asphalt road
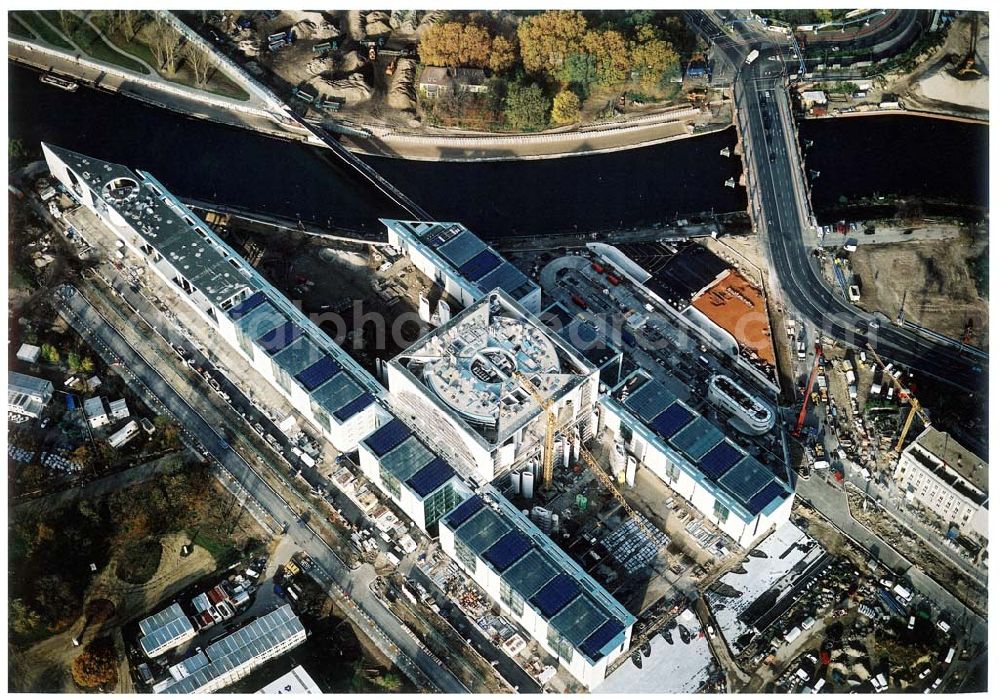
771,145
259,494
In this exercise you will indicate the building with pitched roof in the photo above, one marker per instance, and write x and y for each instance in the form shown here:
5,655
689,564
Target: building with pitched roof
732,489
27,395
164,630
235,656
324,384
564,609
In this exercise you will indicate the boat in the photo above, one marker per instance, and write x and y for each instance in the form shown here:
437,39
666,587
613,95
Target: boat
731,183
61,83
725,152
814,174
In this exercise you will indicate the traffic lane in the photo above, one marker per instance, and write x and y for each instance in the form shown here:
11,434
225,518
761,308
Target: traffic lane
251,483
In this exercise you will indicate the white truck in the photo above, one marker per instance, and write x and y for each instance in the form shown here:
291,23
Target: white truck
752,56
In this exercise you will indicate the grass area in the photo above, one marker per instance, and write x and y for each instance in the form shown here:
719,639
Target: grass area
17,28
84,36
42,30
135,45
139,561
223,552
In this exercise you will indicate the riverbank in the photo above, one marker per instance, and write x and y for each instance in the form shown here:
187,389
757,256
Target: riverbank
899,112
642,131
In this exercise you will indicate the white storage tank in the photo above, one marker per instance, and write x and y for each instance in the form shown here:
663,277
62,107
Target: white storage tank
528,484
515,483
630,471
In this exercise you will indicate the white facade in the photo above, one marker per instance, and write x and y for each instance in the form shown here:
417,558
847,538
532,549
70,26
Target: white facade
752,415
949,480
224,290
526,579
119,409
27,395
93,408
743,505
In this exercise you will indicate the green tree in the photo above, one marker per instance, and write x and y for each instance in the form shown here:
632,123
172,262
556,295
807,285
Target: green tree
58,603
22,618
526,108
503,54
579,71
50,354
73,361
97,665
565,107
653,58
611,55
86,363
549,38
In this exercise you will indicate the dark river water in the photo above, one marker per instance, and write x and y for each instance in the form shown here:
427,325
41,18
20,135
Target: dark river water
637,187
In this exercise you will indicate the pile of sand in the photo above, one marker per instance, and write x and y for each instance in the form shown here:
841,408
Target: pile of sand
377,23
351,90
350,62
401,93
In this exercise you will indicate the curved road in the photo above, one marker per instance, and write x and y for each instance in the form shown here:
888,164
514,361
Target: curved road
783,219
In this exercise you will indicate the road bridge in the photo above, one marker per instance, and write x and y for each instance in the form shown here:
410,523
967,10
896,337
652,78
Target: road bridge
780,208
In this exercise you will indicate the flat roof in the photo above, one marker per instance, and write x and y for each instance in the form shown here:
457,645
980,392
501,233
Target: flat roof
580,333
459,252
739,308
295,681
955,456
678,271
563,594
163,628
468,365
30,385
701,449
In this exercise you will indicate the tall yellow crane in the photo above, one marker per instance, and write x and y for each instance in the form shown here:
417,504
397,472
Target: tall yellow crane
915,408
550,426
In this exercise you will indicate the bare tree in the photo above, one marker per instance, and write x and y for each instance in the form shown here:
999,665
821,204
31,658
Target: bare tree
165,43
200,61
64,18
127,21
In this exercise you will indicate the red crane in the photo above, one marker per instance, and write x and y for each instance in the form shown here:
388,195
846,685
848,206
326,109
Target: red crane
809,387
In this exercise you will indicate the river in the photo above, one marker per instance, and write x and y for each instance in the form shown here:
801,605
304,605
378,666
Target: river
626,189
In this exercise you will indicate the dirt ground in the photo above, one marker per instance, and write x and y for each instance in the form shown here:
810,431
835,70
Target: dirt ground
46,666
939,290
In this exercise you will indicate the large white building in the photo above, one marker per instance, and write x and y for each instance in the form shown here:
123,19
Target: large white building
453,257
235,656
164,630
693,457
564,609
324,384
468,378
748,412
949,480
27,395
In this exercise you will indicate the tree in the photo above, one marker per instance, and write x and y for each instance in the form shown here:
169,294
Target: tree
579,71
165,43
475,46
565,107
549,38
200,62
57,602
503,54
526,108
128,20
611,55
50,354
22,618
65,20
86,363
97,665
652,57
454,44
99,610
73,361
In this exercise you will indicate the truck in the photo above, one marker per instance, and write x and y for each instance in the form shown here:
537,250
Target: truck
752,56
802,350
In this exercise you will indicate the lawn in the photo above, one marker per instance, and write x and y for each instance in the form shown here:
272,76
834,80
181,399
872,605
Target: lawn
17,28
38,26
139,561
90,41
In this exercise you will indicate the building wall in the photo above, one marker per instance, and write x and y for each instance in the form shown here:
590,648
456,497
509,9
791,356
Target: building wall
173,643
936,495
588,674
431,269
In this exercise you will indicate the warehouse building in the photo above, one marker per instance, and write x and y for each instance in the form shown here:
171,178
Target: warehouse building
453,257
235,656
27,395
687,452
164,630
940,474
470,373
324,384
564,609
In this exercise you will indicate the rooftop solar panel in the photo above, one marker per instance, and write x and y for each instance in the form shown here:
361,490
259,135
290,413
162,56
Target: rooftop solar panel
247,305
671,421
461,514
746,479
719,460
258,321
315,375
697,438
387,437
556,594
764,498
480,265
461,249
649,400
507,550
354,407
430,477
273,341
506,277
601,637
